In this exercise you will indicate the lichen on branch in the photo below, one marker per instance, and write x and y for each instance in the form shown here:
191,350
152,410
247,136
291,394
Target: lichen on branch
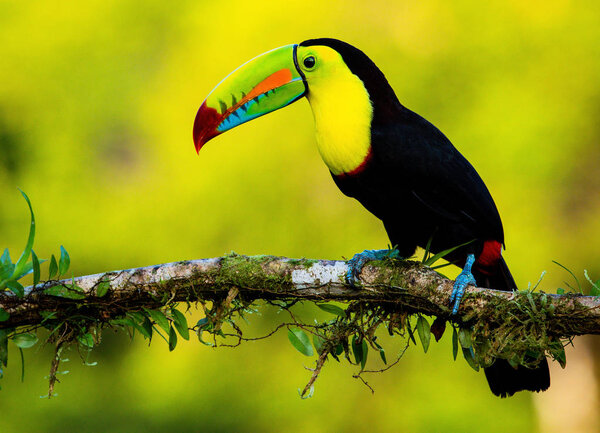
393,295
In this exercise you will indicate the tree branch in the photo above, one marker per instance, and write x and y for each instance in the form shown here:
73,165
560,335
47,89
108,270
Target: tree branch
403,285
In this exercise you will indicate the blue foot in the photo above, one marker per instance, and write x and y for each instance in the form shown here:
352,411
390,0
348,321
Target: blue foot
356,263
460,284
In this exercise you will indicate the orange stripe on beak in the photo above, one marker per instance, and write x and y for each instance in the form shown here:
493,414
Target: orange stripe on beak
273,81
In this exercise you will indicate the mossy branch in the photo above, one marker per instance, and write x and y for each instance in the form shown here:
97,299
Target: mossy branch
403,285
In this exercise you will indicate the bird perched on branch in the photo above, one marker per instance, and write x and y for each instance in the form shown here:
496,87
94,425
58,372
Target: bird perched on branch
393,161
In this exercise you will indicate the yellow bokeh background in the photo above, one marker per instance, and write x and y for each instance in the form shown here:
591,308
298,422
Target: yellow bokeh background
97,101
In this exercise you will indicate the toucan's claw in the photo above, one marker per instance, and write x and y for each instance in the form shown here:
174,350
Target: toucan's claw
460,284
358,261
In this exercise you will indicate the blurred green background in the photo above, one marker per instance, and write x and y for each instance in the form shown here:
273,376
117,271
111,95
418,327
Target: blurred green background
97,101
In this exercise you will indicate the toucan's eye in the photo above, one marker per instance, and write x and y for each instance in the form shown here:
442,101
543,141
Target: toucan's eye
309,62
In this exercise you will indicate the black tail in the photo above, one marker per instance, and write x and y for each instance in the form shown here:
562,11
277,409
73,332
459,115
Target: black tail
504,380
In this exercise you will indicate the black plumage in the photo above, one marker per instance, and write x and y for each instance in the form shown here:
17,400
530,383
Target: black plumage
421,187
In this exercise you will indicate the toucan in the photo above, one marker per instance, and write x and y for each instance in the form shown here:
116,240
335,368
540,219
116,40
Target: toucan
398,165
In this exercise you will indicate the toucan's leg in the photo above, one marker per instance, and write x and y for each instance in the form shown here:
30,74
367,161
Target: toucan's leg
356,263
462,281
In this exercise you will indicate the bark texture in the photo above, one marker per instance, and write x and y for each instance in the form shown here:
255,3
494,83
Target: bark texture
402,285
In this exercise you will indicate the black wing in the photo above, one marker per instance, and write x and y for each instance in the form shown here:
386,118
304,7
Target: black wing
422,162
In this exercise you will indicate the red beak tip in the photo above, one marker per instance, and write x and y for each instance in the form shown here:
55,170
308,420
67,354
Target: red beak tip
205,125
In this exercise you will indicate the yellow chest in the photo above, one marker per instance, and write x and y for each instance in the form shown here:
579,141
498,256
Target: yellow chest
343,114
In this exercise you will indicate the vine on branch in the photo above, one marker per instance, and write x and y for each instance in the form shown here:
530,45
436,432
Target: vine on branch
396,298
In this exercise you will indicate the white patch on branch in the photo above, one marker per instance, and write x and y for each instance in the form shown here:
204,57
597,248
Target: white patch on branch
319,274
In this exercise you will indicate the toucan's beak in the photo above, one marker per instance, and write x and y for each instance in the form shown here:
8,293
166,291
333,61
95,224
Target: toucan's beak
264,84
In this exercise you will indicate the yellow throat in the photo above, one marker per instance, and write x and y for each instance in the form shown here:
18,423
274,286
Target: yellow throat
342,111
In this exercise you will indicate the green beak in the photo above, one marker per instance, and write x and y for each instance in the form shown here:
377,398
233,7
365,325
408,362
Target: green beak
264,84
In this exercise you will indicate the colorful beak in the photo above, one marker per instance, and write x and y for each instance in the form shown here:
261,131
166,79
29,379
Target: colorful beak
264,84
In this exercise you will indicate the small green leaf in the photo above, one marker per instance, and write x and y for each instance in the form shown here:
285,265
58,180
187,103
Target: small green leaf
6,266
147,326
86,340
427,250
465,338
137,316
36,268
25,341
333,309
454,343
300,341
102,288
4,315
6,270
27,269
16,287
558,353
470,357
356,349
410,332
53,268
360,349
3,347
595,289
381,351
423,329
172,339
64,262
560,291
181,323
318,342
133,323
5,258
431,260
123,321
22,262
160,319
